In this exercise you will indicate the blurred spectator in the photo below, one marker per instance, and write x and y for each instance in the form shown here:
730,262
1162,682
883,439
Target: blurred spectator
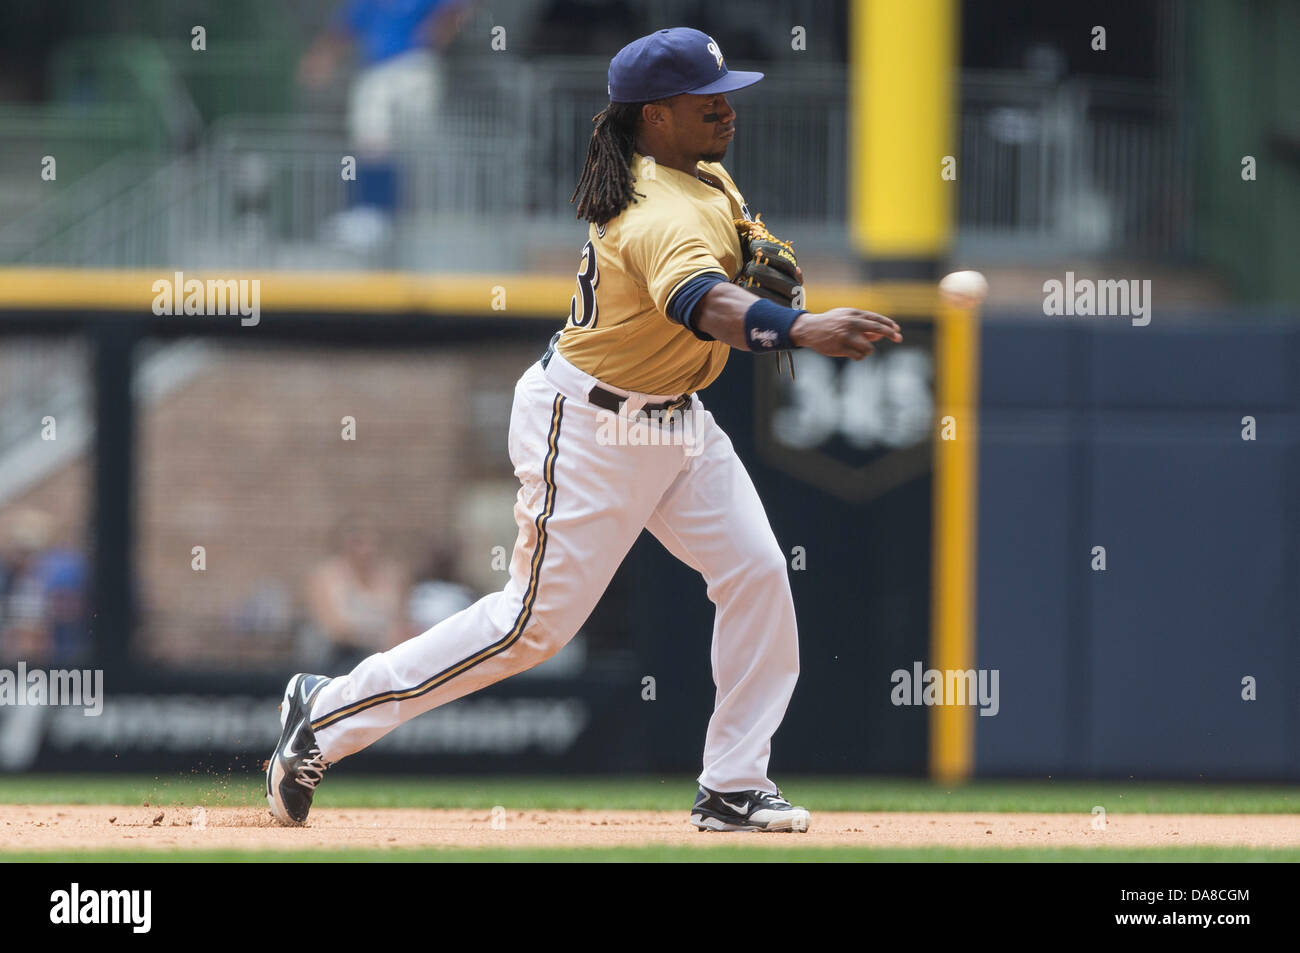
356,599
393,97
438,595
42,594
266,612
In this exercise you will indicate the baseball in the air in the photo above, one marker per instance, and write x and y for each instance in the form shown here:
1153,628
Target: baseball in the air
964,289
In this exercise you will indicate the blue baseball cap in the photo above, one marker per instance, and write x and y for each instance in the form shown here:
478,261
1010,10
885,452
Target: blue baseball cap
669,62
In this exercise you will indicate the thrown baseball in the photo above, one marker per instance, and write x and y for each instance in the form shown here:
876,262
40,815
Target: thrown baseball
964,289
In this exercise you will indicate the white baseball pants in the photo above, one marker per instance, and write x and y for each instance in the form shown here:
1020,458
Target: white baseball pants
590,481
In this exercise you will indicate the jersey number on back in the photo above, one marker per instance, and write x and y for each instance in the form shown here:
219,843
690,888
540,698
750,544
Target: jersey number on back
583,314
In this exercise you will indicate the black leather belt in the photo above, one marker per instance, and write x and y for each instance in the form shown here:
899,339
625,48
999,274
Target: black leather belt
608,400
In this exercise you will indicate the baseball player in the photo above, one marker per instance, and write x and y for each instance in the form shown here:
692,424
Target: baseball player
674,275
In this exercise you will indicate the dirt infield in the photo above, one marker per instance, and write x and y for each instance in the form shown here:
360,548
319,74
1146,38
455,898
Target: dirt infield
60,827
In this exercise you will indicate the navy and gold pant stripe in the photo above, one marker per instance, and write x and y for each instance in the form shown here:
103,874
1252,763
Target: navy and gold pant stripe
521,620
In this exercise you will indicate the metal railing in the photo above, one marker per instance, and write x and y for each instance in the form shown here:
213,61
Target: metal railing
48,152
1075,167
1046,169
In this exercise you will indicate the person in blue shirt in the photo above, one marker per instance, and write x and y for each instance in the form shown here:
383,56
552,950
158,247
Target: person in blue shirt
394,95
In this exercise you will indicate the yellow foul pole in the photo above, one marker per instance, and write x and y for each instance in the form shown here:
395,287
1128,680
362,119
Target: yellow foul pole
902,80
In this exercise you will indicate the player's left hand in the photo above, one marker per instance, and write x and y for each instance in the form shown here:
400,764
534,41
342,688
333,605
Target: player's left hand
770,270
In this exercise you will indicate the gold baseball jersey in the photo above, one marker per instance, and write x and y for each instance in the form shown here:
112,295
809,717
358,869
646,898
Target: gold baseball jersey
618,329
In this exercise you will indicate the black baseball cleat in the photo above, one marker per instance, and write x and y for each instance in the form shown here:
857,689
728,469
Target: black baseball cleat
296,766
747,811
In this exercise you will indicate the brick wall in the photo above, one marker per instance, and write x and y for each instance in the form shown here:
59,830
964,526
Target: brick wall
247,460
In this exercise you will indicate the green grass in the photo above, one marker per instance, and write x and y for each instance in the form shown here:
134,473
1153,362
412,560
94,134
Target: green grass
676,854
675,793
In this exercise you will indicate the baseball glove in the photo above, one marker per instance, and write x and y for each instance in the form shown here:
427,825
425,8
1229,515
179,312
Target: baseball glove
770,269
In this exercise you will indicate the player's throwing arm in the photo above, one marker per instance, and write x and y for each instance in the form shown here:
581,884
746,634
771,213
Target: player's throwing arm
725,313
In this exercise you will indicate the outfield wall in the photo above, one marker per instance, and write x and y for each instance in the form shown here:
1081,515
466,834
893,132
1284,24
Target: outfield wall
1092,432
1097,433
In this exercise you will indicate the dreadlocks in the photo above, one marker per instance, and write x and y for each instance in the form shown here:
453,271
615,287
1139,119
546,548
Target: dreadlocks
605,188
